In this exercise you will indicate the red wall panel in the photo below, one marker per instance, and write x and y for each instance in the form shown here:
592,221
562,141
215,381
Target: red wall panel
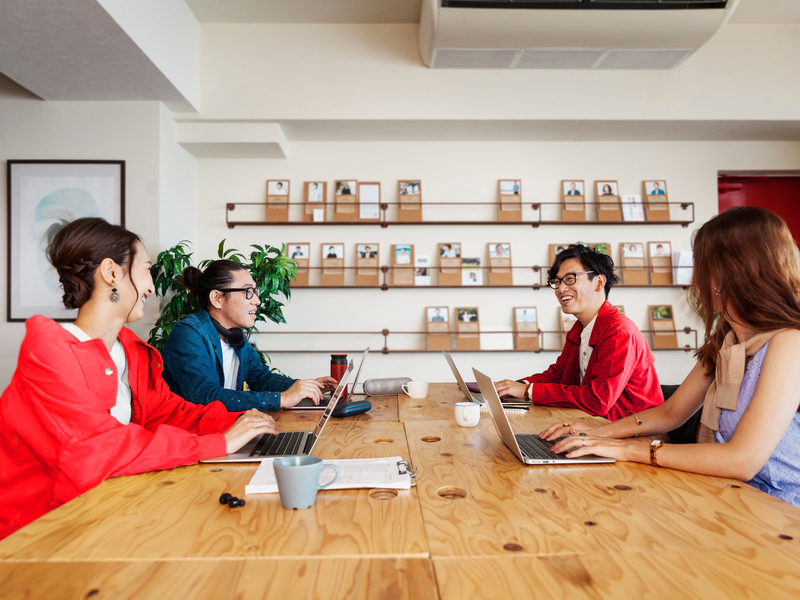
781,195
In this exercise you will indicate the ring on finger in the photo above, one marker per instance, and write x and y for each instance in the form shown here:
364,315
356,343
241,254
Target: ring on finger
584,442
566,424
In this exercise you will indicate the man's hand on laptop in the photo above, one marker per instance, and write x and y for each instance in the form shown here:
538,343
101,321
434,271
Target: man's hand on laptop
329,382
507,387
300,390
247,426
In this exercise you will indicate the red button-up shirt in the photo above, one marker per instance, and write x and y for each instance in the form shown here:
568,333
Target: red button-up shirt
620,375
57,437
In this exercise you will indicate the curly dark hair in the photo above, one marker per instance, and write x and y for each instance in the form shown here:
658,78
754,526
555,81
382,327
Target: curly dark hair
591,260
78,249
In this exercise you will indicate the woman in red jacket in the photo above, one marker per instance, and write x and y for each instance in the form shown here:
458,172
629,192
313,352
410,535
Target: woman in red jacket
87,401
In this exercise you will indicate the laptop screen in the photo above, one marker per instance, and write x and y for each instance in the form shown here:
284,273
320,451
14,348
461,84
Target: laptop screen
334,400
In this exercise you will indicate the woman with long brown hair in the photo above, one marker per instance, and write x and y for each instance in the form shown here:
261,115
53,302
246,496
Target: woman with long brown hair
746,287
87,401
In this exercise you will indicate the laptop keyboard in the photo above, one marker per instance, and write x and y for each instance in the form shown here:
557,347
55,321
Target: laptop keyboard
286,443
534,447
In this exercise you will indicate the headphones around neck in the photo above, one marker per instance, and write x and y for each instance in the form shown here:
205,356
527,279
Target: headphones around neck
233,336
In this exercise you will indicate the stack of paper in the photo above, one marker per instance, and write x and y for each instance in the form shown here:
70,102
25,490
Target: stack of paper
355,473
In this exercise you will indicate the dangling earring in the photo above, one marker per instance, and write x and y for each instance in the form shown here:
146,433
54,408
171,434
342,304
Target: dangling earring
114,294
716,292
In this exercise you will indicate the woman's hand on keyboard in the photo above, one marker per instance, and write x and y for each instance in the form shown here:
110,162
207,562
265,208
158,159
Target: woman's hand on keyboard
249,425
572,427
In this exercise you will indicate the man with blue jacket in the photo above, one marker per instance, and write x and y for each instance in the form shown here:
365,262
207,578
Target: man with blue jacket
207,356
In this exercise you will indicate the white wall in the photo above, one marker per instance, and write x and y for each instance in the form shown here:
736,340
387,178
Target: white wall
177,186
129,131
467,172
375,72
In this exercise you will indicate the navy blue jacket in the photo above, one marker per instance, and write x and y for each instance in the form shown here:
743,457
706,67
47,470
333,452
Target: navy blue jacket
193,369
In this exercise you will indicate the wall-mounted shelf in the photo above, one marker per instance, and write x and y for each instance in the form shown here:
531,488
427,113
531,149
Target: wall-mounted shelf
387,350
383,222
541,270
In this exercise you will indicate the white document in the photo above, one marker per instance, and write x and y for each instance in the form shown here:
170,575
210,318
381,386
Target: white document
355,473
369,198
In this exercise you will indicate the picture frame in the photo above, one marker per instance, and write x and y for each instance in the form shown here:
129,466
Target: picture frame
332,258
409,193
573,200
526,328
402,261
660,255
500,272
367,268
662,325
437,323
450,263
300,253
609,208
277,200
43,197
634,266
468,328
510,200
657,199
345,200
315,201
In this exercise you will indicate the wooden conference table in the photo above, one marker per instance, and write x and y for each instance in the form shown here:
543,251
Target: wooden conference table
479,524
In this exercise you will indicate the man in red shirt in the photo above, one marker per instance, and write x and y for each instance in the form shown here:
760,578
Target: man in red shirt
606,368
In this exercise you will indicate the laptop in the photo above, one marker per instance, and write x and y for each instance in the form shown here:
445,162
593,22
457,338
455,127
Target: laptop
474,397
308,403
286,443
526,446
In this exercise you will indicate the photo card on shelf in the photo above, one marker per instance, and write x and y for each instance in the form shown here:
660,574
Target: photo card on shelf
471,272
573,201
367,271
510,194
402,257
438,327
662,324
634,267
500,264
567,323
332,273
315,201
526,328
277,200
300,253
554,250
345,200
467,329
660,254
409,192
632,208
422,270
450,263
369,201
609,208
655,193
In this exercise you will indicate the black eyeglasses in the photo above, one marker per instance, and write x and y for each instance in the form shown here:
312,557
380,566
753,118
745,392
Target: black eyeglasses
569,279
248,291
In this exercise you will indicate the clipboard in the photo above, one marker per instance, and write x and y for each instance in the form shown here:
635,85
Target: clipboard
402,272
573,206
450,267
345,200
634,268
660,266
662,324
510,207
656,205
609,208
301,276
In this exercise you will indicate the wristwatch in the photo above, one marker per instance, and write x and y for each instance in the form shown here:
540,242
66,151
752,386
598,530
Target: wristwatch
654,446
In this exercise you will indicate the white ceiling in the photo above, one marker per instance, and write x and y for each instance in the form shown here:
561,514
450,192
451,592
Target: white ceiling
407,11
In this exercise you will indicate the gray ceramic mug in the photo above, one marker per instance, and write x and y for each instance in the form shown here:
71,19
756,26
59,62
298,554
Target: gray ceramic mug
298,480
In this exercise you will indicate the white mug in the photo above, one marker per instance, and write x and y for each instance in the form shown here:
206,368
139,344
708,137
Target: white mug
468,414
416,389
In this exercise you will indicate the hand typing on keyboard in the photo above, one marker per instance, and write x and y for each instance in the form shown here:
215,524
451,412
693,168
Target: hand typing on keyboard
249,425
301,389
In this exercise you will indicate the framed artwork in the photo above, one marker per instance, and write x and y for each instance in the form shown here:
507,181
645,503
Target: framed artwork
43,197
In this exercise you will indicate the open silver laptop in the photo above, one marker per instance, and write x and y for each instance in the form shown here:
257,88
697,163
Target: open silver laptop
508,401
286,443
308,403
526,446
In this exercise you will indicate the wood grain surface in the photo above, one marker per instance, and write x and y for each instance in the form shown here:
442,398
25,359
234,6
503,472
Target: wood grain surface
746,573
176,513
384,408
478,499
311,579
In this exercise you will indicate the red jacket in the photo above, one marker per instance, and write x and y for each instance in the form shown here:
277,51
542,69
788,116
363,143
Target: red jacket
619,377
57,437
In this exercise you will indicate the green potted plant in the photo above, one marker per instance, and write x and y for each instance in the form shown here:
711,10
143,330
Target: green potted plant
271,269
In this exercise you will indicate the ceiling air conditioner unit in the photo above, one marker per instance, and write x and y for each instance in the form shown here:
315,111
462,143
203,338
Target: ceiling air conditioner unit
566,34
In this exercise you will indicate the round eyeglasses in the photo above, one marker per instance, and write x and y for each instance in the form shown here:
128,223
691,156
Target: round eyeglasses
248,291
568,279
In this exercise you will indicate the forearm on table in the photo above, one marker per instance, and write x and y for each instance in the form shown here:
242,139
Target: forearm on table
655,421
